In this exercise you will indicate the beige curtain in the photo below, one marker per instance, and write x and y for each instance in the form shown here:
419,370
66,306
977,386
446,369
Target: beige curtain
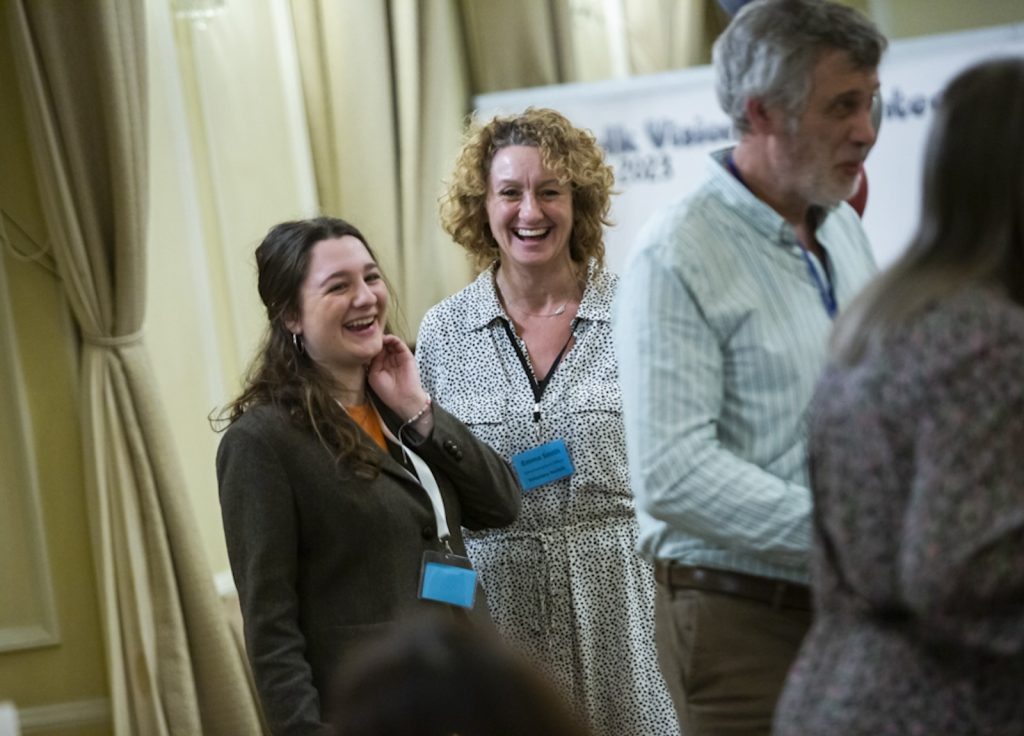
386,95
433,99
541,42
173,668
348,87
512,45
671,34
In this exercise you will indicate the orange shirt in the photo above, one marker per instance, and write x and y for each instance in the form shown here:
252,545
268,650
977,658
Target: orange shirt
366,418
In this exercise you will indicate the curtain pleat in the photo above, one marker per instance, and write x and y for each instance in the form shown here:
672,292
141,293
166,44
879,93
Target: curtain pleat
346,70
385,113
173,668
516,45
432,89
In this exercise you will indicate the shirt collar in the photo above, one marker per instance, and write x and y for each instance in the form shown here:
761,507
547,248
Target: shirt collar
755,212
596,304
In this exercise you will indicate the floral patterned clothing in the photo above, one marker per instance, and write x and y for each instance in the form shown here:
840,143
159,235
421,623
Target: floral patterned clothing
917,459
564,583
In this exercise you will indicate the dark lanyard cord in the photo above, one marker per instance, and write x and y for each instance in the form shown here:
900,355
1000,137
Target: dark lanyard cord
537,386
825,289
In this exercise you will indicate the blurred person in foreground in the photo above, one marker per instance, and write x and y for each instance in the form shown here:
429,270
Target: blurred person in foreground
523,355
721,328
917,445
343,488
435,677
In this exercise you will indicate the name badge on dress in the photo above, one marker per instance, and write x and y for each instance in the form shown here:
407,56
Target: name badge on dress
447,578
543,464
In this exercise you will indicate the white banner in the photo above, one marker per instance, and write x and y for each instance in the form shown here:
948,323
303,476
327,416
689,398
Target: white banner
657,131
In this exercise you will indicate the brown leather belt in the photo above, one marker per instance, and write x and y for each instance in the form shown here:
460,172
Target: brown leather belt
776,593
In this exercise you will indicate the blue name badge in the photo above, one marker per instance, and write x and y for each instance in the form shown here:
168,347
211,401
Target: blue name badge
447,578
543,464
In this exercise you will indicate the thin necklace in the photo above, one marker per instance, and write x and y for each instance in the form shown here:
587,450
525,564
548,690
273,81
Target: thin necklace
559,310
556,313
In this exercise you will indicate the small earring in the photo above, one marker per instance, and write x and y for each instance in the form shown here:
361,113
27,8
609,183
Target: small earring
300,348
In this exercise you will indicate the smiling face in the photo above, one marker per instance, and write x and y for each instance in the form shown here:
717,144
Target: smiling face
343,309
529,211
818,156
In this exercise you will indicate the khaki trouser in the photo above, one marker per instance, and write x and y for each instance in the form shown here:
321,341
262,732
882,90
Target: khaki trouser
724,658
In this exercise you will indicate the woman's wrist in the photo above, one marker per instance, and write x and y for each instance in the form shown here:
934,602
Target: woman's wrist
419,425
423,411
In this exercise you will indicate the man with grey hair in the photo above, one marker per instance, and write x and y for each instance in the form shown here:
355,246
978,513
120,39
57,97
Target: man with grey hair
721,329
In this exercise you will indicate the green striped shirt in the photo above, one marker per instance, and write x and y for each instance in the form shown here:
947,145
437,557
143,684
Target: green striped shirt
721,335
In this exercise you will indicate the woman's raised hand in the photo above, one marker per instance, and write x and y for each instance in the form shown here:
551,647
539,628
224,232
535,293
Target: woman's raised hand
393,376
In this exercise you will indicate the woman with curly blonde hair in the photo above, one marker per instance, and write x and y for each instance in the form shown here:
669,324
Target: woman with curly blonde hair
524,356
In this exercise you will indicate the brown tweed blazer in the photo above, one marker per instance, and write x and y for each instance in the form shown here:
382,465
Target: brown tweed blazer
324,559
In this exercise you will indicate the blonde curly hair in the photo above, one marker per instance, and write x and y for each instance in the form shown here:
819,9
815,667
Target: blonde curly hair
570,152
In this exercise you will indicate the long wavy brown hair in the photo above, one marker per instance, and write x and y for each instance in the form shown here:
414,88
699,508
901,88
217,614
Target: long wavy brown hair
281,374
570,152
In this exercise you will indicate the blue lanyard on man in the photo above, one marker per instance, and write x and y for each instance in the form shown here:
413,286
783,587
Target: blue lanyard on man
825,289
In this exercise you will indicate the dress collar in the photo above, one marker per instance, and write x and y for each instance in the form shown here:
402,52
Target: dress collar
595,305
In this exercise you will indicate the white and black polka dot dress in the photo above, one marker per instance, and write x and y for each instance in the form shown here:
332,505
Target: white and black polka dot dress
564,583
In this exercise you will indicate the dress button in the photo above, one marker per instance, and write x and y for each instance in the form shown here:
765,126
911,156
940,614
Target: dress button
429,532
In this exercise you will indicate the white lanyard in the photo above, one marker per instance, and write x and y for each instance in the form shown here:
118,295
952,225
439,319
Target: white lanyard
426,481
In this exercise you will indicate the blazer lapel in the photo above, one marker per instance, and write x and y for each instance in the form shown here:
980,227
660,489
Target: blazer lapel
391,425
